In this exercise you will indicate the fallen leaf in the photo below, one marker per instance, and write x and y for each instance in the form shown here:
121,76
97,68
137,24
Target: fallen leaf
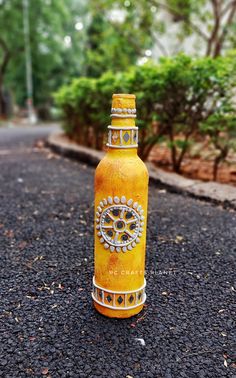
22,245
178,238
9,233
51,156
44,371
39,143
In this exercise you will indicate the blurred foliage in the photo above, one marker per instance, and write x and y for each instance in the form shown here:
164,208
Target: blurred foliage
76,38
220,126
101,42
115,37
46,20
208,25
59,50
177,99
212,23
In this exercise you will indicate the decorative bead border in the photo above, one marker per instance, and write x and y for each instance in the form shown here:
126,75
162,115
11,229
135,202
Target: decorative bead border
128,113
123,116
115,133
136,217
119,299
123,110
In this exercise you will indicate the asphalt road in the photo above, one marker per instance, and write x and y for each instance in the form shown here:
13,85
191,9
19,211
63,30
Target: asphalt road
48,327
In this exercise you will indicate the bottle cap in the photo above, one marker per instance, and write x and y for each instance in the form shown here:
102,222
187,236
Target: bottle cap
123,104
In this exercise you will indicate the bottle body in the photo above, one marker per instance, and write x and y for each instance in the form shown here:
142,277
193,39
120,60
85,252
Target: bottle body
121,193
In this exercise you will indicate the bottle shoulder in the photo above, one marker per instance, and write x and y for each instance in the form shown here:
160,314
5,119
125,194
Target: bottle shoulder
130,165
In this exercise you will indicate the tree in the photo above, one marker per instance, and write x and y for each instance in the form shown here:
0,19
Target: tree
10,46
116,36
212,21
146,23
49,21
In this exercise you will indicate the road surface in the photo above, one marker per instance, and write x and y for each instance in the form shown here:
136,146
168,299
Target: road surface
48,327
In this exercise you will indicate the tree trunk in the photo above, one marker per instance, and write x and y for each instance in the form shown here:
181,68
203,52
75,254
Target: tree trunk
145,149
2,102
216,167
223,154
99,141
221,39
3,68
214,35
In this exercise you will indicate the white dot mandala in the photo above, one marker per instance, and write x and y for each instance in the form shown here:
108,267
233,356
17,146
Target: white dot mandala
119,223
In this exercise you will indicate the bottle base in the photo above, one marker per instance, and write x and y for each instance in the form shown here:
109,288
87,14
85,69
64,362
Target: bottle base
120,314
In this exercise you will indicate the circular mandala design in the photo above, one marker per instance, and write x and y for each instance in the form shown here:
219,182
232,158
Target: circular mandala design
119,223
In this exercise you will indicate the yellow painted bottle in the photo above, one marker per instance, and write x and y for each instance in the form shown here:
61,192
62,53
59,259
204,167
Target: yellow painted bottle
121,193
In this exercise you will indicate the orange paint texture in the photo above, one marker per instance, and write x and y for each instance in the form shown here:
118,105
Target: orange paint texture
121,191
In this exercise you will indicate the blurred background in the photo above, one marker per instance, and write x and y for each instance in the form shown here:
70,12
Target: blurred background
62,60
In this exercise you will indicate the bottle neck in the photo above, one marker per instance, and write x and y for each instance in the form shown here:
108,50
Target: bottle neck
123,134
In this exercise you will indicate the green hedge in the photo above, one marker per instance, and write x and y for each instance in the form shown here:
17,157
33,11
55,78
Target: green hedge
177,99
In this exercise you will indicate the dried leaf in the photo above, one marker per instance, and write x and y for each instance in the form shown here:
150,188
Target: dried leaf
45,371
22,245
9,234
39,144
179,238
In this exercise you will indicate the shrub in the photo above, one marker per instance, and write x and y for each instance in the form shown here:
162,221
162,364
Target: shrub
180,94
144,81
176,100
86,105
220,123
76,101
106,85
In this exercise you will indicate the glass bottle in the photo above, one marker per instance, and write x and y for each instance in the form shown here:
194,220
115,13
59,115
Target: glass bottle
121,193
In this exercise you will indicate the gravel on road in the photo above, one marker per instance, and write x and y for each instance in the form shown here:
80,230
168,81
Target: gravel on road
48,327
